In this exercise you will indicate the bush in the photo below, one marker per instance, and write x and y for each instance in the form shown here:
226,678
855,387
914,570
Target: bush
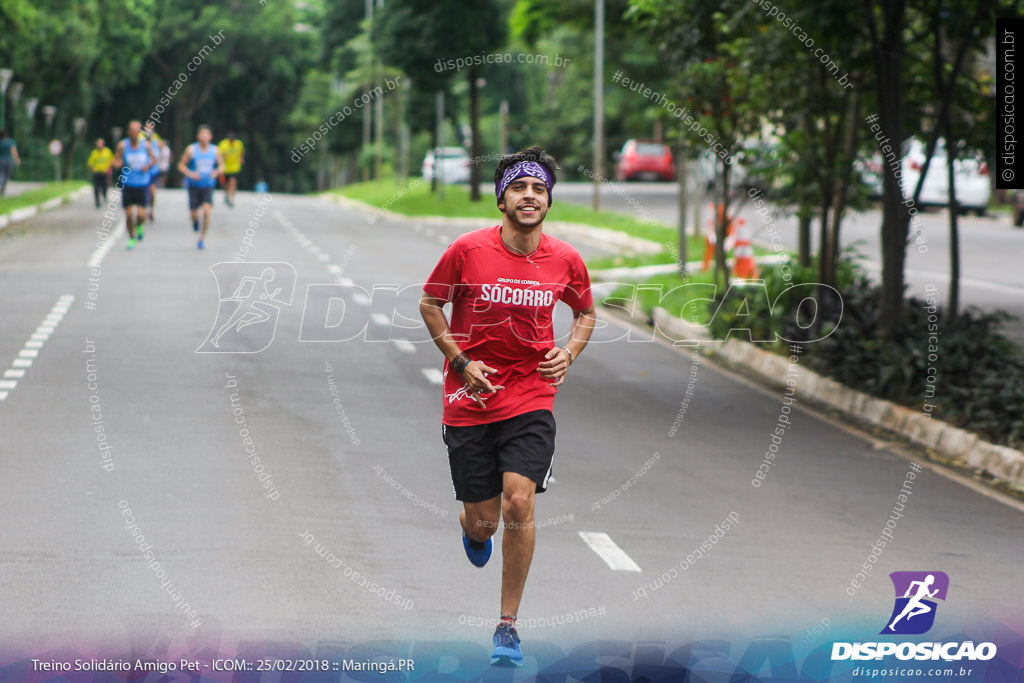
961,370
780,310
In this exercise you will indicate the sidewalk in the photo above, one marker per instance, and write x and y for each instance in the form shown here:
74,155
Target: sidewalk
26,212
15,187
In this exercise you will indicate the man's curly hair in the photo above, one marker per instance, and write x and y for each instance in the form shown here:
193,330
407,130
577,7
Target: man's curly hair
534,153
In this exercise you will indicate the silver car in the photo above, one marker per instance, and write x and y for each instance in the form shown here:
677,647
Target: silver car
454,164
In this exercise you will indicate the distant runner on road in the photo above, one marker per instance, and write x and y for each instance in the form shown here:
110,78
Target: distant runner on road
233,151
134,157
200,164
154,174
99,162
8,159
502,369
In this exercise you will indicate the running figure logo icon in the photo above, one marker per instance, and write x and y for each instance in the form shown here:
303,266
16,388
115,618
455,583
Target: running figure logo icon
914,611
247,317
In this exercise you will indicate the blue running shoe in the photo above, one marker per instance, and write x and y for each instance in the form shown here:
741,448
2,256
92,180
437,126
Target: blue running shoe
506,646
200,244
477,552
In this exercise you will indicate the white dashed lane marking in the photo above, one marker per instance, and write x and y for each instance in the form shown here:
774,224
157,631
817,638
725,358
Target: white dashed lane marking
614,556
35,343
403,345
433,375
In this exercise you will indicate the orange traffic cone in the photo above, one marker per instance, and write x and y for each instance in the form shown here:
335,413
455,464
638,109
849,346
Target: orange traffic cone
745,268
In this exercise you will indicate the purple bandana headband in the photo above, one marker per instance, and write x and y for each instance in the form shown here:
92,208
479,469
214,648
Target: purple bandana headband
519,170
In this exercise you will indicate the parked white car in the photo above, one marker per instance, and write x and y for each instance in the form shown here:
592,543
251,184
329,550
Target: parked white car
973,185
454,164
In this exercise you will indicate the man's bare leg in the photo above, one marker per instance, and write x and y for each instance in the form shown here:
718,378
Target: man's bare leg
480,520
206,222
518,541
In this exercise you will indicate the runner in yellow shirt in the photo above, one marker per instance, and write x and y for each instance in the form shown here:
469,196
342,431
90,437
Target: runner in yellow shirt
99,162
233,151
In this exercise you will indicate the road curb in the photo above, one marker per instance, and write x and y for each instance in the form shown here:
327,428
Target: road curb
1000,462
27,212
604,236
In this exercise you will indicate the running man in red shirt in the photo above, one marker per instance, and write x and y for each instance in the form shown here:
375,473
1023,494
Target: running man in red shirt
502,369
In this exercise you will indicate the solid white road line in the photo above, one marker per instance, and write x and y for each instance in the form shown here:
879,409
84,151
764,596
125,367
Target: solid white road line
614,556
964,281
96,259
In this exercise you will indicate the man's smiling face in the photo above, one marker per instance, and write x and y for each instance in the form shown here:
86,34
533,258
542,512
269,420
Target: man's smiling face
526,201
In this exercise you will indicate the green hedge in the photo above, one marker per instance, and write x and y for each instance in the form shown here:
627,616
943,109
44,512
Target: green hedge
960,370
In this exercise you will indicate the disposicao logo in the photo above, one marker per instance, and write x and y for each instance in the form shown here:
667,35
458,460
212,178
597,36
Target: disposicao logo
913,613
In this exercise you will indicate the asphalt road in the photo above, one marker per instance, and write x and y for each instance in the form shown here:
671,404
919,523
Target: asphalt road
991,249
356,477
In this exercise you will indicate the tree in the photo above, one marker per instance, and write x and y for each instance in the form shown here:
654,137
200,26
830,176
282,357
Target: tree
709,47
419,38
951,44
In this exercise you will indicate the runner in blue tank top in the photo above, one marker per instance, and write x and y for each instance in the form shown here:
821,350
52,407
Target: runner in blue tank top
200,164
134,157
149,134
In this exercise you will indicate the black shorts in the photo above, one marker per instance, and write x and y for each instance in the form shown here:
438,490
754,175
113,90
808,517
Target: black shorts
479,454
134,196
197,196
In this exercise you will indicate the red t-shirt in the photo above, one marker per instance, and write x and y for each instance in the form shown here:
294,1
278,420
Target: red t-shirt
501,316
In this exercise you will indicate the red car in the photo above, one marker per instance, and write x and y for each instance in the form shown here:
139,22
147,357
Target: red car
643,160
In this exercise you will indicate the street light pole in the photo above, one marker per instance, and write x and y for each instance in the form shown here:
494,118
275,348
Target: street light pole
30,108
503,134
78,126
598,101
5,78
439,160
49,114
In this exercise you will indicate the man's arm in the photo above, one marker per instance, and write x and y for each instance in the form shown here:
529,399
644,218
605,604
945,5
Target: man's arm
475,373
118,155
558,358
183,164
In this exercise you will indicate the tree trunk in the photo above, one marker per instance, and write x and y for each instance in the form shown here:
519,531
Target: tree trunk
823,239
804,212
681,173
804,217
953,301
887,52
721,224
842,188
474,123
